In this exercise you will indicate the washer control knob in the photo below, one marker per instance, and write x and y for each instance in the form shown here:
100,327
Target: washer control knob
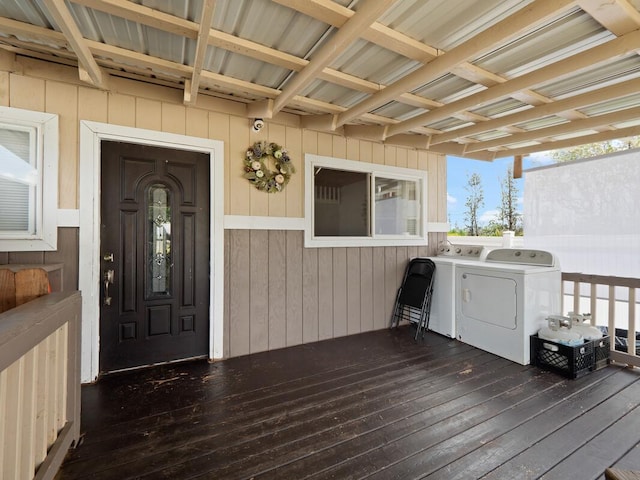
518,253
458,250
470,251
532,254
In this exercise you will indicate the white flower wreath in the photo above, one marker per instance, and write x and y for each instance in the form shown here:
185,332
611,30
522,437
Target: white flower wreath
256,170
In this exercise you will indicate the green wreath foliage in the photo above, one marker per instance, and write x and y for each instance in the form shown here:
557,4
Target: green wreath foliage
260,175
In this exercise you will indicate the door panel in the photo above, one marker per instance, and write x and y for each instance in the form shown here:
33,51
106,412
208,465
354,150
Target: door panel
488,299
155,222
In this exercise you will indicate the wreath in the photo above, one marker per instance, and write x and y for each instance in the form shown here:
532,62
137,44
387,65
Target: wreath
257,172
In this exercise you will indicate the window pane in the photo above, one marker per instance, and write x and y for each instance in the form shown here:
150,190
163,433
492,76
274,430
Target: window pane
159,238
18,179
397,208
341,203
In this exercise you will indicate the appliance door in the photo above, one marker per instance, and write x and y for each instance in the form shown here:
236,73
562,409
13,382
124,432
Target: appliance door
489,299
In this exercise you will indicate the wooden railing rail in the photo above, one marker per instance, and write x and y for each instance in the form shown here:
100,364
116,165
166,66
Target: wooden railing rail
39,385
631,284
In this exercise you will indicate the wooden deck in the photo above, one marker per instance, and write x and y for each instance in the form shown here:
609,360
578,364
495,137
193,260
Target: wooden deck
374,405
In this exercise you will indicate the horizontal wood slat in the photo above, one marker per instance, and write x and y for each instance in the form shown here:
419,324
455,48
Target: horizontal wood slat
39,385
375,405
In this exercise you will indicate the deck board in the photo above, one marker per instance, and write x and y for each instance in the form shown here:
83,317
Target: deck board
375,405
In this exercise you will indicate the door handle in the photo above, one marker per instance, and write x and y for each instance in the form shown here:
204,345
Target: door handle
109,275
466,295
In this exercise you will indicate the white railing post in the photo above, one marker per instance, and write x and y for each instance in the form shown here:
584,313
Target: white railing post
631,333
630,357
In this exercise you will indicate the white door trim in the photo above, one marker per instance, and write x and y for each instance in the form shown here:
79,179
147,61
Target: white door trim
91,134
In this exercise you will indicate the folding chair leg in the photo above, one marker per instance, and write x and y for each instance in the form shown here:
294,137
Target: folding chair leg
395,315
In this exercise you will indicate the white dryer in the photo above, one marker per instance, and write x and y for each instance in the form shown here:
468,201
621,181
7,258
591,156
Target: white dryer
443,304
504,300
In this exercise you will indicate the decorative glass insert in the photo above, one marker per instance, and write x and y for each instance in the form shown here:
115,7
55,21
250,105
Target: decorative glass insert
396,206
159,241
18,180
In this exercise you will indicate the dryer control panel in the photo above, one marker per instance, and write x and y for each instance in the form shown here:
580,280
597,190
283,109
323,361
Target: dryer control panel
461,251
521,256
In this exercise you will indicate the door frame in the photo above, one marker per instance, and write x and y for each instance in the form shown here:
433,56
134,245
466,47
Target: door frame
91,134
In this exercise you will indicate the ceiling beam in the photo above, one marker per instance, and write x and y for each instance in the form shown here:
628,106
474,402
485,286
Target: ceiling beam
570,143
145,15
366,14
334,14
329,12
604,52
179,26
617,16
139,62
89,71
501,32
611,92
555,130
191,86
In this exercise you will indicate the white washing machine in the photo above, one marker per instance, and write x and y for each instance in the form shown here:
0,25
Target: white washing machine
443,302
504,300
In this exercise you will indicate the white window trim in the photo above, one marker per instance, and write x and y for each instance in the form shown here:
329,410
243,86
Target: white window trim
401,173
46,207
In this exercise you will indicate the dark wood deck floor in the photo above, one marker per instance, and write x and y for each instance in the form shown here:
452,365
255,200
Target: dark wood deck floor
375,405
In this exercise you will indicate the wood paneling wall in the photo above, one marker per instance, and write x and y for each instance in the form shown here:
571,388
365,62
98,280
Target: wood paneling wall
279,294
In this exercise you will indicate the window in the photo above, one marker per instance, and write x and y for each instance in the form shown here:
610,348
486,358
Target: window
362,204
28,180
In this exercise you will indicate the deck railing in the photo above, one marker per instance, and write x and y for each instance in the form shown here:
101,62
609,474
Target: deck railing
39,385
605,306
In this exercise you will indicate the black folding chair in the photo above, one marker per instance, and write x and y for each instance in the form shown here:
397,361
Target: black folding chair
413,300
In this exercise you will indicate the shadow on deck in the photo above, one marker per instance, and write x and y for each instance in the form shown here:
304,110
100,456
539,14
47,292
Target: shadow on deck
374,405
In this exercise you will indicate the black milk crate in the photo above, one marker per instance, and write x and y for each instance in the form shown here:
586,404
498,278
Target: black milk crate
570,362
601,349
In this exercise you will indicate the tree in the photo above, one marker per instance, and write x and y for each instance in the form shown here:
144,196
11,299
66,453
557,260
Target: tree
595,149
475,200
508,216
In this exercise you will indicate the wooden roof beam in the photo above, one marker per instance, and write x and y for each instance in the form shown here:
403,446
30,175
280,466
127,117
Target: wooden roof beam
611,92
604,52
145,15
143,61
368,12
336,15
501,32
179,26
191,86
569,143
617,16
577,125
88,69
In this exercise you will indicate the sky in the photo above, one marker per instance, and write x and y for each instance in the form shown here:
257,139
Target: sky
491,174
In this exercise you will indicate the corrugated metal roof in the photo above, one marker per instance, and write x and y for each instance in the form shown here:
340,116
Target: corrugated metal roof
444,68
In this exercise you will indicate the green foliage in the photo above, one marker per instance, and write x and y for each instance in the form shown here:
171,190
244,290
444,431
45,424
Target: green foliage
508,216
509,219
475,200
594,149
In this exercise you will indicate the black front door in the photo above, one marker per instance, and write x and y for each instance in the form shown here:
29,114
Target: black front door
154,247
